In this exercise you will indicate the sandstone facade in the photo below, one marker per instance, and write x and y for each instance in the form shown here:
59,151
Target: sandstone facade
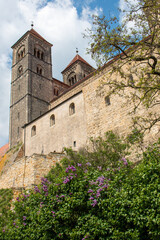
48,115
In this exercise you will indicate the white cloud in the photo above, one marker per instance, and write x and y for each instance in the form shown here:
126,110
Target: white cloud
126,8
58,21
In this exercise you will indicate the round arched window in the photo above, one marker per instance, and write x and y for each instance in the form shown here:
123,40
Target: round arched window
71,109
52,120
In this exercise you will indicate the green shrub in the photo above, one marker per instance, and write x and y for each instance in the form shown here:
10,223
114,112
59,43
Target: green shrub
85,200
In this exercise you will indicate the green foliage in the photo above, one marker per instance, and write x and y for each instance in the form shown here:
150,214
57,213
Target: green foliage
6,196
133,47
135,137
83,200
104,152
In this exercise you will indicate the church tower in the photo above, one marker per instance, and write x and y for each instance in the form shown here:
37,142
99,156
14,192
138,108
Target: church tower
77,69
32,84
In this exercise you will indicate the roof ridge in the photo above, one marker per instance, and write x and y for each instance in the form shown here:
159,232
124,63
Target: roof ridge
33,32
76,58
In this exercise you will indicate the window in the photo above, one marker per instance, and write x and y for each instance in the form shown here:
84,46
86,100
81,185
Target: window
39,69
20,71
21,53
74,143
39,52
72,79
107,101
52,120
56,92
33,131
71,109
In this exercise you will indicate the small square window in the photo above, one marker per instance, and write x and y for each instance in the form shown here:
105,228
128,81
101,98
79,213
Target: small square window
107,101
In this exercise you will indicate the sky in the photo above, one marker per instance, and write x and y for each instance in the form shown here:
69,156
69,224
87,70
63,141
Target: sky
60,22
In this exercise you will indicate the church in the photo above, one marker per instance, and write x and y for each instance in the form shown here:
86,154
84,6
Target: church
47,115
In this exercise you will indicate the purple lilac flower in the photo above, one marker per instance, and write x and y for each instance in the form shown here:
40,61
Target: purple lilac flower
24,223
88,164
57,196
101,179
62,196
70,193
100,189
18,199
74,169
76,175
53,213
41,204
45,188
98,194
108,169
44,180
24,218
125,163
36,189
79,164
105,186
66,180
91,198
86,171
14,223
3,230
94,203
90,191
71,177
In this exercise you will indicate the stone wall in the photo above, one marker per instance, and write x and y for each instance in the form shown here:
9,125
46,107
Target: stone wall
28,171
93,117
69,130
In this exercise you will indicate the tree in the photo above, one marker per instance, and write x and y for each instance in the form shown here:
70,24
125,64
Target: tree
133,48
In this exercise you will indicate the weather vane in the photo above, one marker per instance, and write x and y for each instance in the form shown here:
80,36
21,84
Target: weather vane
32,24
77,50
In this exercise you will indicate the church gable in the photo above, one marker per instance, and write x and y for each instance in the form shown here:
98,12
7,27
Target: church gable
77,69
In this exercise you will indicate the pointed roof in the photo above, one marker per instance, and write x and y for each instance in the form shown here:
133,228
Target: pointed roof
34,33
75,59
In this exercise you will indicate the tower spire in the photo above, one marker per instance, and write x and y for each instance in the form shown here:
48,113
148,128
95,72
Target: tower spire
77,50
32,24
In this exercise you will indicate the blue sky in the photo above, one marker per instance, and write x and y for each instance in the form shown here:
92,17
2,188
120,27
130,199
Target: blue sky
61,22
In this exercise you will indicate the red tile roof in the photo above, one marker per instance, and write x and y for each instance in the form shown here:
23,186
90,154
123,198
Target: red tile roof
75,59
33,32
4,149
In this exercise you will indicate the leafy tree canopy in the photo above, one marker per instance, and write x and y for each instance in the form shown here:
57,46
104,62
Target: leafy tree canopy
132,44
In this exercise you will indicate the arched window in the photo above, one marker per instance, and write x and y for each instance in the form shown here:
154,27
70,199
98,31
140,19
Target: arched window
107,101
52,120
39,52
33,131
56,92
72,79
71,109
21,53
39,70
20,71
